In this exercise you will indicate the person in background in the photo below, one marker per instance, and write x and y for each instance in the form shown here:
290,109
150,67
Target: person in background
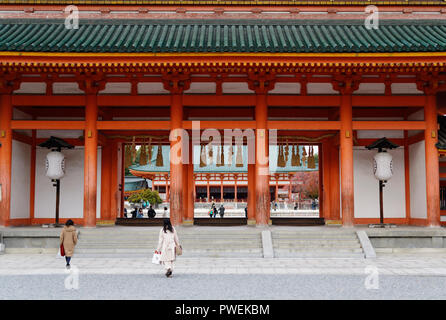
140,214
151,213
215,211
165,213
222,211
246,212
167,242
68,238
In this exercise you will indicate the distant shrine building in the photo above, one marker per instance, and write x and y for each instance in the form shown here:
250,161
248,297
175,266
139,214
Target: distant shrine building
262,107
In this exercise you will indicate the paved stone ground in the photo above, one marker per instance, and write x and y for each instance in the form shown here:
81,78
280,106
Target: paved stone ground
427,265
187,286
399,277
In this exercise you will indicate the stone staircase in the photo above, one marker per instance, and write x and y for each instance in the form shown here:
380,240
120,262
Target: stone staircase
196,242
316,243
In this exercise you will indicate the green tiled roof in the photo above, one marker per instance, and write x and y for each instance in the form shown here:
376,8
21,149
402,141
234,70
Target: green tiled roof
254,36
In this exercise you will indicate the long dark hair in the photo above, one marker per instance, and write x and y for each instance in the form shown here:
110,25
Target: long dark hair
167,225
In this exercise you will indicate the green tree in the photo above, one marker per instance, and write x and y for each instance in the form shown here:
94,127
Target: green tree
145,195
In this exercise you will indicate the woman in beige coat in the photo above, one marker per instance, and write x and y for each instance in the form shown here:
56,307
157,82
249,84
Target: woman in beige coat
168,240
68,237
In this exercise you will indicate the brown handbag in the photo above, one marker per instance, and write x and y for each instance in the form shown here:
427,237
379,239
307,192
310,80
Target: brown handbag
178,250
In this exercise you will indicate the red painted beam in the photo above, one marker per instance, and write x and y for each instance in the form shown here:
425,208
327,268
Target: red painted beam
47,125
389,125
226,100
133,125
304,125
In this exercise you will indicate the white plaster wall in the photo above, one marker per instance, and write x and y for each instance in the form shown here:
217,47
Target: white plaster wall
236,87
405,88
202,87
151,88
66,88
20,176
417,165
366,186
31,88
71,186
117,88
371,88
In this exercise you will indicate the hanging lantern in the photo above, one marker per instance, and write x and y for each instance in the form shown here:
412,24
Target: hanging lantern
230,154
293,155
149,152
287,152
211,153
304,157
222,155
128,156
382,161
218,164
311,160
298,164
133,150
159,156
383,166
280,160
55,165
239,157
142,155
202,156
383,171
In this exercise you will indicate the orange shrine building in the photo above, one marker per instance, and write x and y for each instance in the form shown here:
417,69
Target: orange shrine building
243,103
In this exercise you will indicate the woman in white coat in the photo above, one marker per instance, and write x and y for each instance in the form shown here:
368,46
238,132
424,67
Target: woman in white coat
167,242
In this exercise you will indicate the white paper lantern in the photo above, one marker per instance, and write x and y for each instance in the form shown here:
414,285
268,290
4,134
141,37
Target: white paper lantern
383,166
55,165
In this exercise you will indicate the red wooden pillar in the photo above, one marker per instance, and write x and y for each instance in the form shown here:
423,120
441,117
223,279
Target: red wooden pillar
334,183
106,180
251,191
176,166
32,181
115,199
407,174
221,188
166,178
235,188
191,185
326,187
262,162
185,190
208,195
90,160
5,158
432,166
346,148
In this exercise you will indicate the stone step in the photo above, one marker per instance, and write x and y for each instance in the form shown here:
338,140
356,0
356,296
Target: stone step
314,236
316,246
316,240
89,246
318,250
345,255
